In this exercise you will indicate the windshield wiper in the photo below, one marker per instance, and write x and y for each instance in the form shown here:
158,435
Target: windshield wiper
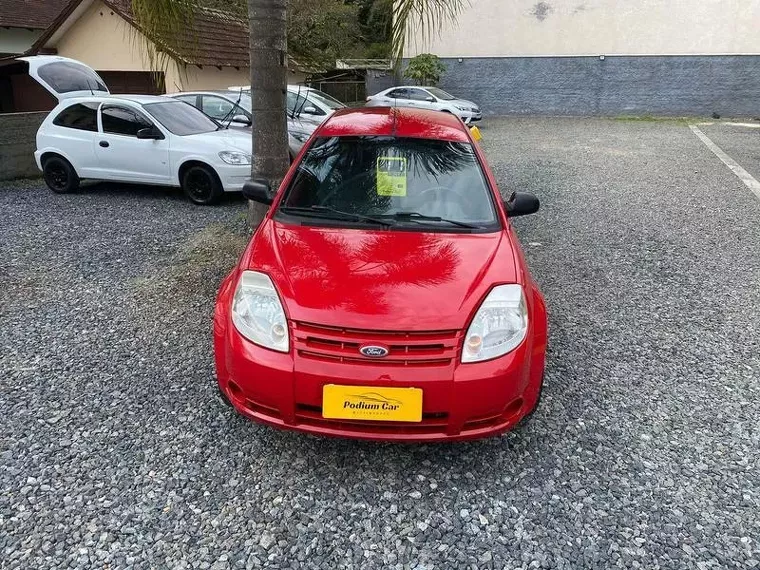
416,216
320,211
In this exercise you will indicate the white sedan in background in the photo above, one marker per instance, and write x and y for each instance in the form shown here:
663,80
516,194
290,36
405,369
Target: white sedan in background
142,139
426,98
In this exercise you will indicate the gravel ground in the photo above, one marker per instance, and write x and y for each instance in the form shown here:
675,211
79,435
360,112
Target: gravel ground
116,453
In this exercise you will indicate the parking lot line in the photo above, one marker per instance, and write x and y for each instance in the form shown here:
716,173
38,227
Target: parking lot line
743,175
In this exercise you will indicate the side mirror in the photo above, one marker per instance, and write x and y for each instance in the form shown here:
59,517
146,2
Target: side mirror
258,190
310,110
430,99
150,133
521,204
242,120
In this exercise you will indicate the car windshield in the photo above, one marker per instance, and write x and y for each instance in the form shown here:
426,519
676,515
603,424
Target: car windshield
245,100
395,181
180,118
440,94
325,99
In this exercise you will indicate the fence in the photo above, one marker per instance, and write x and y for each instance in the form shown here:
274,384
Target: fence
348,92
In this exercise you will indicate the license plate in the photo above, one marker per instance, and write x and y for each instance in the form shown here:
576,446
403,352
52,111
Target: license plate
372,403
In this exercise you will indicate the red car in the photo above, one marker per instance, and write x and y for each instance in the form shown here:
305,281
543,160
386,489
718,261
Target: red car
385,295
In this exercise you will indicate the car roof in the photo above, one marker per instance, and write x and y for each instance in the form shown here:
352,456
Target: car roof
140,99
395,121
228,93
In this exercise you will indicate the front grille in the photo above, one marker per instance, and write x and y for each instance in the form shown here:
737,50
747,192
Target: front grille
431,422
335,344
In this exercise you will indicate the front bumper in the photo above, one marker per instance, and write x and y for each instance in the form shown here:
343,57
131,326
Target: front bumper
470,117
233,176
460,402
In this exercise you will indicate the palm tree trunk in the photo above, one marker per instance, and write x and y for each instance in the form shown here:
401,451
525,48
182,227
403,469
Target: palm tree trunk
269,76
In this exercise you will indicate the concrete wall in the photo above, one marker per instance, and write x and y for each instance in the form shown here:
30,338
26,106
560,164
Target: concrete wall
17,40
658,85
18,143
379,81
499,28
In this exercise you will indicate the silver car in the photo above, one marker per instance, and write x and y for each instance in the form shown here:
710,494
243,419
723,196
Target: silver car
235,109
426,98
304,101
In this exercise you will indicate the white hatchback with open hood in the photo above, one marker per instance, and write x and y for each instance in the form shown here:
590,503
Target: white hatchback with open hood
142,139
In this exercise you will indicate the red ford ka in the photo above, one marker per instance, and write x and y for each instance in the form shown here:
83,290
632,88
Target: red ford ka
385,295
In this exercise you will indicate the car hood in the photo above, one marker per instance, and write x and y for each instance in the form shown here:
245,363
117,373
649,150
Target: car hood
225,139
301,124
390,280
464,103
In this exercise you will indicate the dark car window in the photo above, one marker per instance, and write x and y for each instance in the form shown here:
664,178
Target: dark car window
399,94
82,116
119,120
298,102
67,76
181,119
418,95
216,107
386,176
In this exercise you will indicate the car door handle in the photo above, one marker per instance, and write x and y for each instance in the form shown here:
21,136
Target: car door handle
104,144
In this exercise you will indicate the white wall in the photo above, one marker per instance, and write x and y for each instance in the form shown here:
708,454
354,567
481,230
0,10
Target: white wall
16,40
492,28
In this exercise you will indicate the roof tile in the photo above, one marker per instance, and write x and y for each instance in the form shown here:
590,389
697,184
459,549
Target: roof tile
33,14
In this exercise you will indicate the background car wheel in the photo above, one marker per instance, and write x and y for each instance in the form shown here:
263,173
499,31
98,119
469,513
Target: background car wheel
201,185
59,175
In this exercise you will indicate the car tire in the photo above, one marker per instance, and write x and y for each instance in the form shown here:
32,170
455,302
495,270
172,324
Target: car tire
59,175
201,185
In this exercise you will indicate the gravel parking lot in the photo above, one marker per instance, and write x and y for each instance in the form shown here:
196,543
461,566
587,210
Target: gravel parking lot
116,453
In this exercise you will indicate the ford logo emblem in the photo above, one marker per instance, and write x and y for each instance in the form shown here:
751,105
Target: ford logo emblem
374,351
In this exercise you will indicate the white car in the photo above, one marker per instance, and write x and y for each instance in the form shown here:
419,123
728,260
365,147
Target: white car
426,98
235,110
140,139
304,100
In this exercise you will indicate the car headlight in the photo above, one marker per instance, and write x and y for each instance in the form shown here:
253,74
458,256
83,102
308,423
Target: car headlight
257,312
463,108
300,137
499,325
235,157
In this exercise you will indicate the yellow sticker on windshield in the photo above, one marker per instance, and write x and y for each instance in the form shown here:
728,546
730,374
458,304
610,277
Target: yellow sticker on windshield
391,176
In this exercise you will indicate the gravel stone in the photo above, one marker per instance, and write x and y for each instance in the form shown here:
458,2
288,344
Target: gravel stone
116,452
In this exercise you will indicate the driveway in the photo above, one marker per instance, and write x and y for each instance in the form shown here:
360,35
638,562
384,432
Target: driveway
116,453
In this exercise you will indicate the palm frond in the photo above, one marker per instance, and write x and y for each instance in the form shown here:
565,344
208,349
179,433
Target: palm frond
160,25
423,17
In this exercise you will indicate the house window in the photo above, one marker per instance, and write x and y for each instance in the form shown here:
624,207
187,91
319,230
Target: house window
82,116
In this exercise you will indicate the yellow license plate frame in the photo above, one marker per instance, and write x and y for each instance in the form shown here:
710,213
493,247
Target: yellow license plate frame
371,403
